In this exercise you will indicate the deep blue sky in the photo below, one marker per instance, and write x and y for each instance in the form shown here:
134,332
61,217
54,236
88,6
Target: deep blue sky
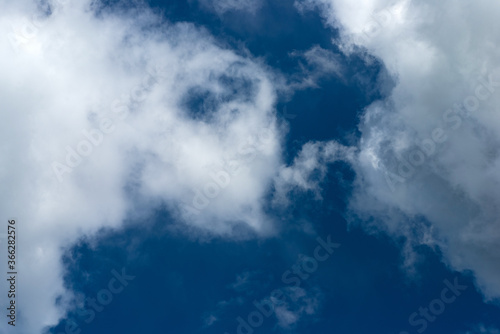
179,282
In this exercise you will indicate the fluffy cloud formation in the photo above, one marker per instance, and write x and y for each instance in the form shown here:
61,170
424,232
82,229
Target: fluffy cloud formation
429,155
109,113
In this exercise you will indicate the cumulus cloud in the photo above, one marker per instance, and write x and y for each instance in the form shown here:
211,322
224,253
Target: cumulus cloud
428,162
108,113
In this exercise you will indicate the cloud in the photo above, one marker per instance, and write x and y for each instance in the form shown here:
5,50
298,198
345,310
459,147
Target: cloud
244,282
106,115
481,329
223,6
298,303
309,169
319,63
428,162
209,320
325,60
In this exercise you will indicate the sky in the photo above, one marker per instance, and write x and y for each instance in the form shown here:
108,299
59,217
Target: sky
240,167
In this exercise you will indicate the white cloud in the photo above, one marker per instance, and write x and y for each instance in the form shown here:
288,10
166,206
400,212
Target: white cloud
223,6
441,54
299,303
325,60
309,169
64,74
319,63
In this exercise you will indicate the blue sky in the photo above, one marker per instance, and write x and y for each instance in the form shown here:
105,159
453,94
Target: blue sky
196,158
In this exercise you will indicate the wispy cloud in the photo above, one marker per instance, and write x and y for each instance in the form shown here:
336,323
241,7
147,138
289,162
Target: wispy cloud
223,6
